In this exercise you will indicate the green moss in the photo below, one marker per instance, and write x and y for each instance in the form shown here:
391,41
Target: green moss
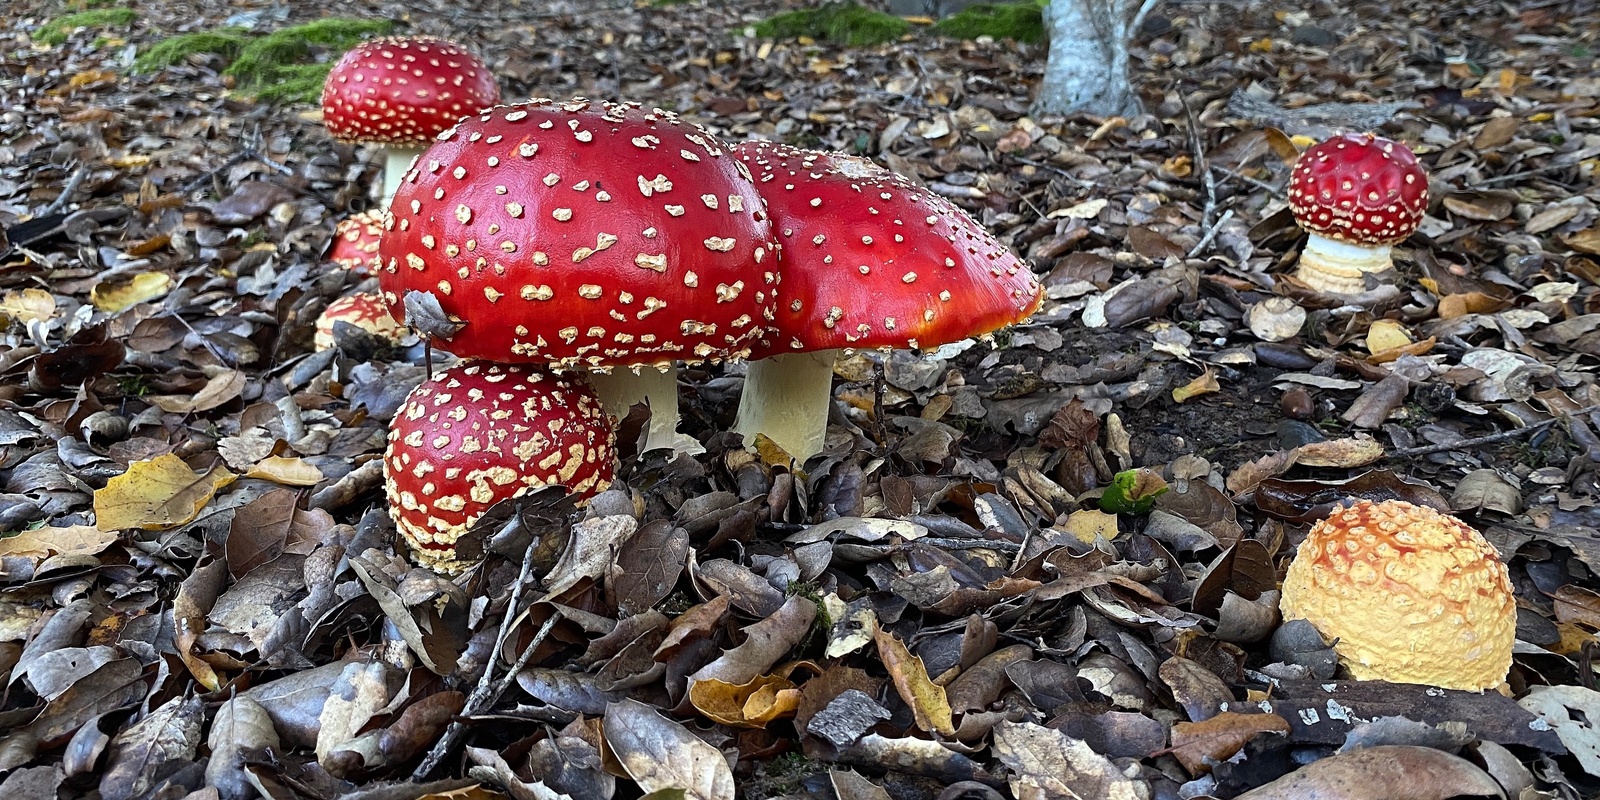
57,30
272,67
844,23
226,42
1023,22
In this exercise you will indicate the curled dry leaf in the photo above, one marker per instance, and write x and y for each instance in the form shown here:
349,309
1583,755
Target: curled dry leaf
155,746
1047,764
1201,745
929,704
660,754
1390,772
240,728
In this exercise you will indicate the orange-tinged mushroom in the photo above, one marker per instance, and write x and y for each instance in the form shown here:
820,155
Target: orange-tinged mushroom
1412,596
355,242
365,311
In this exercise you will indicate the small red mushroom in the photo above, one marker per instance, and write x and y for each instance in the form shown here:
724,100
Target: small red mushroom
363,310
400,92
355,242
478,433
587,236
869,259
1356,195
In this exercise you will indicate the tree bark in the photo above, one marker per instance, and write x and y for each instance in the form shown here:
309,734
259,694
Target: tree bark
1088,66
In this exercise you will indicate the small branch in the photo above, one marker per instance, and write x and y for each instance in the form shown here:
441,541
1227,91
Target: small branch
1138,19
1201,164
1259,184
1527,173
67,191
1211,233
1493,438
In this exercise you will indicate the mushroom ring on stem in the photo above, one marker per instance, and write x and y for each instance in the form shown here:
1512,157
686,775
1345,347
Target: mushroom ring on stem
478,433
587,236
1356,195
400,92
1411,595
870,260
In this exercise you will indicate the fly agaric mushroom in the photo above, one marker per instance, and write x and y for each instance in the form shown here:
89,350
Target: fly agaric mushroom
589,236
400,92
1356,194
363,310
1412,596
478,433
869,260
355,242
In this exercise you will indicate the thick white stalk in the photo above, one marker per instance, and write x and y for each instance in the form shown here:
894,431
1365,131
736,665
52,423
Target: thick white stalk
786,397
396,160
1334,267
622,388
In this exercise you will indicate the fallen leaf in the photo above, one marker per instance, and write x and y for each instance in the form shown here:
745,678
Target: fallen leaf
1047,764
929,705
660,754
28,305
1389,772
1201,745
220,389
1206,383
118,294
155,494
1088,524
1345,453
287,471
41,543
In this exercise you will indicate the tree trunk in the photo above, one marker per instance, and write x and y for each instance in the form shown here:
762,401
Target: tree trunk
1088,66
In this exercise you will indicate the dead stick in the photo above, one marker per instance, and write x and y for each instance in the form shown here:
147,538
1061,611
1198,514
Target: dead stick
1211,233
67,191
1514,433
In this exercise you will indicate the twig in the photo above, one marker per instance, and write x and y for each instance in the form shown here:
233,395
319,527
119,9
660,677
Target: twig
67,191
880,386
200,180
1198,148
1525,174
1211,233
1259,184
488,691
1514,433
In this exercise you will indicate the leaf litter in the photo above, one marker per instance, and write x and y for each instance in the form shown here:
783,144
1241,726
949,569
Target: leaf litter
1039,566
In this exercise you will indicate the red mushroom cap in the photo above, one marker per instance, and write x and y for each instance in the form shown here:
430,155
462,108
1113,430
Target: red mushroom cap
355,241
872,260
583,234
363,310
479,433
1359,188
404,90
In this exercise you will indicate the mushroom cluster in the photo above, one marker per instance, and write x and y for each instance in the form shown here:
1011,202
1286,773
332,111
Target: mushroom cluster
1410,595
478,433
870,260
1356,195
400,92
586,236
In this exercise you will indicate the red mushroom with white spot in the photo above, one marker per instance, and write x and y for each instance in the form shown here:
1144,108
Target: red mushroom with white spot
355,242
1356,195
400,92
478,433
363,310
869,260
589,236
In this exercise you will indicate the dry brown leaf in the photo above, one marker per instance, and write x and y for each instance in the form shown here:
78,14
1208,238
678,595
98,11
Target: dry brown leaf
1347,453
220,389
1205,384
1200,745
927,700
41,543
1046,764
659,753
28,305
1390,772
287,471
159,493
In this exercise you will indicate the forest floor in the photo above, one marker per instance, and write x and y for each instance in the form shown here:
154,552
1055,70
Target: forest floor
922,611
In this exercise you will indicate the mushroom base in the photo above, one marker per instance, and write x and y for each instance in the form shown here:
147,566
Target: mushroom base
396,160
622,388
1334,267
786,397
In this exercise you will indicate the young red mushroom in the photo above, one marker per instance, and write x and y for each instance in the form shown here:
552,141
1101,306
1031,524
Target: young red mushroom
400,92
1356,194
479,433
869,260
363,310
355,242
589,236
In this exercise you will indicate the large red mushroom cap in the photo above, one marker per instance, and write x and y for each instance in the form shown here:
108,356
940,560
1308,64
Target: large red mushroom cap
479,433
363,310
404,90
870,259
585,235
355,241
1359,188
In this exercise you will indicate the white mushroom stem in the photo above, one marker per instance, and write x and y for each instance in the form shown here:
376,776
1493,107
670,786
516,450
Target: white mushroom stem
1334,267
396,160
786,397
625,387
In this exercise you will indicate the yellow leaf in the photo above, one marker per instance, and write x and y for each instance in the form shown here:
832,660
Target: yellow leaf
747,705
1088,524
1261,45
129,161
1205,384
1386,334
158,493
121,293
287,471
772,453
41,543
1302,142
28,305
930,707
87,77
